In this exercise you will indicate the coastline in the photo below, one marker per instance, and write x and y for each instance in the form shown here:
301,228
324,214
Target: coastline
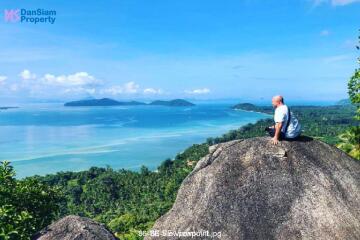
239,109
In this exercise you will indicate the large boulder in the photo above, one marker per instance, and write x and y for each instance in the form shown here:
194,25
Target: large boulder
251,189
75,228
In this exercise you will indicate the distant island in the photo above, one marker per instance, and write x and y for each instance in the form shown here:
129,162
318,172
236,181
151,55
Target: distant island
6,108
112,102
253,108
175,102
100,102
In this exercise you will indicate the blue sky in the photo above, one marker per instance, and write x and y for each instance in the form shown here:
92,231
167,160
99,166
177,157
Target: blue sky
131,49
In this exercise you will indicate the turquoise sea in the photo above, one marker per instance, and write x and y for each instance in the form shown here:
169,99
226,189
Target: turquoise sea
47,138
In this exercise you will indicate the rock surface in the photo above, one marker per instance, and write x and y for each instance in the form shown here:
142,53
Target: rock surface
75,228
251,189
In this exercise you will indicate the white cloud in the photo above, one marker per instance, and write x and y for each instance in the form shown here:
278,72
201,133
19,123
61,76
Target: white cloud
198,91
27,75
51,86
131,87
128,88
334,2
325,33
152,91
114,90
79,90
2,79
76,79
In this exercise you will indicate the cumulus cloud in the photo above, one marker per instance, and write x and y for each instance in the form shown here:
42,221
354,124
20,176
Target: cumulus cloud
127,88
198,91
113,90
79,90
2,79
51,86
131,87
76,79
152,91
76,84
27,75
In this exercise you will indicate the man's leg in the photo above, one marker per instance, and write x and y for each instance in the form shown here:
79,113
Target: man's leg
270,131
282,136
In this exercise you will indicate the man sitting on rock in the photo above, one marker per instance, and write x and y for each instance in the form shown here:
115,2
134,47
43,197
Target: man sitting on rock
286,125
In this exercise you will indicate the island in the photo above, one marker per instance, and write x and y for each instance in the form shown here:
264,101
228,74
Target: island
253,108
112,102
175,102
100,102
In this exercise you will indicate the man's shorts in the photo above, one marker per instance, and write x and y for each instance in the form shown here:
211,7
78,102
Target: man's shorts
271,132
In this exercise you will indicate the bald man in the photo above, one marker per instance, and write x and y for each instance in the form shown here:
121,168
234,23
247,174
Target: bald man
286,125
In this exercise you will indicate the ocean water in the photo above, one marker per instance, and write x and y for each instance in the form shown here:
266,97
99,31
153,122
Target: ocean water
42,139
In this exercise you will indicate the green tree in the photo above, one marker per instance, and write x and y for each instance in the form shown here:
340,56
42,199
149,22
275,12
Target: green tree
350,141
351,138
26,205
123,223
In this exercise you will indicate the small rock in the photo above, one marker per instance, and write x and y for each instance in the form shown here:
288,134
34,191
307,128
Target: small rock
74,227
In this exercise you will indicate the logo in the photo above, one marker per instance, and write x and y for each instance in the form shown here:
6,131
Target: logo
12,15
30,16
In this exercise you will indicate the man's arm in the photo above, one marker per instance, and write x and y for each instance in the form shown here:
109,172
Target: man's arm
276,137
